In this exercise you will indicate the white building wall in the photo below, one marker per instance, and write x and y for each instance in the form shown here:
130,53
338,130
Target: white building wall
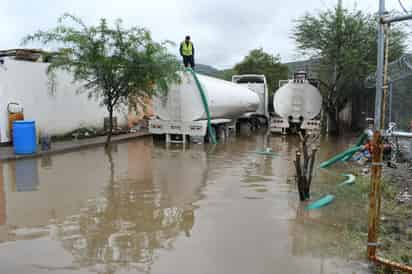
55,113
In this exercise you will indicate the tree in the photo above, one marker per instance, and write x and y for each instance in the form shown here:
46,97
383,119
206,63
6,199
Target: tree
227,74
260,62
113,63
345,43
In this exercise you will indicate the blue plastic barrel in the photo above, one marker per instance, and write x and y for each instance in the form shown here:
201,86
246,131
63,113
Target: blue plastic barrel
24,137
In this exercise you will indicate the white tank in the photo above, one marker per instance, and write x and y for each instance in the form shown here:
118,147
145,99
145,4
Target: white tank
297,100
183,101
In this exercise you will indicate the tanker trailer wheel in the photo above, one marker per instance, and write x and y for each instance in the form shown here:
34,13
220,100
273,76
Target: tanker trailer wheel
263,121
254,123
245,128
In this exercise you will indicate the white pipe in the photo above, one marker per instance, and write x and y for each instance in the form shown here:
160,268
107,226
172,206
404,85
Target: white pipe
402,134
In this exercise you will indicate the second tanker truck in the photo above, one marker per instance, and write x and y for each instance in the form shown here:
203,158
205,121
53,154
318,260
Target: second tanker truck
297,102
200,104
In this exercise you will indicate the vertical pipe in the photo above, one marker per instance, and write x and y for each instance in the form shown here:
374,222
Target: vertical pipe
379,151
379,69
390,101
376,142
374,190
385,77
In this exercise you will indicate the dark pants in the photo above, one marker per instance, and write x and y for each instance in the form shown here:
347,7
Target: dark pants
189,60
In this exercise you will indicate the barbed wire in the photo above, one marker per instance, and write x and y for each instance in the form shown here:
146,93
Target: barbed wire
397,70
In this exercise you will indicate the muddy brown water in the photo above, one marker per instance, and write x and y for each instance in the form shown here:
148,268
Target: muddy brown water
145,208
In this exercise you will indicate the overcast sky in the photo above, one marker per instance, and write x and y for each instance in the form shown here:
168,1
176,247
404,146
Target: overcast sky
223,30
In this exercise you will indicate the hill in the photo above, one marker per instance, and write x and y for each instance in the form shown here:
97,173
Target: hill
209,71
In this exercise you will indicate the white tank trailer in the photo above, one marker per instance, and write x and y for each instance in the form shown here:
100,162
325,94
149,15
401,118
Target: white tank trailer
297,104
181,111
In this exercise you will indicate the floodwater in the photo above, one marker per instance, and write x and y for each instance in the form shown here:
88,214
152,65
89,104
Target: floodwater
145,208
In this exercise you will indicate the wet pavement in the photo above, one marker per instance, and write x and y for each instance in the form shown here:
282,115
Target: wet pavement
145,208
7,152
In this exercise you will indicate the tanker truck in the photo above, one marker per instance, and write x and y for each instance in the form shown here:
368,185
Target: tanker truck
256,83
199,104
297,104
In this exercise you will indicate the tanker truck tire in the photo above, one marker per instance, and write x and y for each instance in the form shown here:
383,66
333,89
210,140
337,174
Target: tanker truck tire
245,128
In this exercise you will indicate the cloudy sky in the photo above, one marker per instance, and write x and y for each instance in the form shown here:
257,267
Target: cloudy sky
223,30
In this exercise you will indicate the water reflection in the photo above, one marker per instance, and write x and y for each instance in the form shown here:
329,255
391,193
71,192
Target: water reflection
25,175
143,205
46,161
2,198
120,231
134,217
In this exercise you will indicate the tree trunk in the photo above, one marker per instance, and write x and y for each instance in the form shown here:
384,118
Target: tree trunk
110,132
304,167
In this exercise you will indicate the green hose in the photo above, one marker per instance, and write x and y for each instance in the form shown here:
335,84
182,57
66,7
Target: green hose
212,135
349,181
327,199
324,201
359,142
340,156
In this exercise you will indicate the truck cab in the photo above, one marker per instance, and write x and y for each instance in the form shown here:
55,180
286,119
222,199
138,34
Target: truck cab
256,83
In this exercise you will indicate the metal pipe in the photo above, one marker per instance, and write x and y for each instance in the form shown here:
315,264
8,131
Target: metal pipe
379,69
385,76
402,134
390,101
388,20
377,156
392,264
376,171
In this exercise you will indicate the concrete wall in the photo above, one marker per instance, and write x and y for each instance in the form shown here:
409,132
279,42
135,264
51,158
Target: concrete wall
55,113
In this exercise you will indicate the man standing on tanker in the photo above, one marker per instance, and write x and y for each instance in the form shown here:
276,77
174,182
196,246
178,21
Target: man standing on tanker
187,51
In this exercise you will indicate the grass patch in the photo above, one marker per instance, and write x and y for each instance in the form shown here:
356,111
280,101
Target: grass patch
351,211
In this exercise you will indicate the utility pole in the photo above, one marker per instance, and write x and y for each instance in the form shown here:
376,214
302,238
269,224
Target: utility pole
377,146
376,170
379,69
